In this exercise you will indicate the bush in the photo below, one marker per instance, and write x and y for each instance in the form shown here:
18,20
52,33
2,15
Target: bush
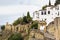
44,7
57,2
24,20
18,21
29,19
16,36
34,25
2,27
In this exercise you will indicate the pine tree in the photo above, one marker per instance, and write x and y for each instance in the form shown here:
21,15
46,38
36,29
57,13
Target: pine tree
57,2
49,3
28,17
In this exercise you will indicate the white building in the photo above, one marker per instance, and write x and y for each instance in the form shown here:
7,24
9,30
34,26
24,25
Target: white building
48,13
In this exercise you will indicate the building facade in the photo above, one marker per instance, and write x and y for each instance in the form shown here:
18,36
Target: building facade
48,13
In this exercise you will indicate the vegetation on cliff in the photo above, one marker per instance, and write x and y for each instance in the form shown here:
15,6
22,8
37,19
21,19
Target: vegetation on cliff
2,27
44,7
23,20
16,36
34,25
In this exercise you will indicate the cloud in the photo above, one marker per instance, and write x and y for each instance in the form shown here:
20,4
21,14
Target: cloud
25,2
16,8
34,2
12,9
10,13
8,2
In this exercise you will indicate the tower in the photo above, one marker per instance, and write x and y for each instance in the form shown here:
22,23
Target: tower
49,3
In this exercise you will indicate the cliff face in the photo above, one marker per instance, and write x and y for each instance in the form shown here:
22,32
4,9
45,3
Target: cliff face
36,34
54,27
57,28
51,31
51,28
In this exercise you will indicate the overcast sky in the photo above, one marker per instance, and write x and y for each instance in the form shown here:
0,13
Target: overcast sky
10,10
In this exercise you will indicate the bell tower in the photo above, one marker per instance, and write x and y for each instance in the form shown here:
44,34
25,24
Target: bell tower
49,3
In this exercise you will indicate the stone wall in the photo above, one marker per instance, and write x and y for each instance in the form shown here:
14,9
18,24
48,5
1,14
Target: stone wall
42,24
54,28
36,34
51,28
57,28
17,28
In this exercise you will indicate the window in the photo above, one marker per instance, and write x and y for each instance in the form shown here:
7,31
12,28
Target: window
45,13
41,13
48,12
58,13
45,19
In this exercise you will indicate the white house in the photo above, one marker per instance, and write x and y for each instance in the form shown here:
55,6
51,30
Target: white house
48,13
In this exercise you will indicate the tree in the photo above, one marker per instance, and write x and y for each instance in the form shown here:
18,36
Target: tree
28,15
21,20
57,2
25,19
44,7
29,19
18,21
2,27
16,36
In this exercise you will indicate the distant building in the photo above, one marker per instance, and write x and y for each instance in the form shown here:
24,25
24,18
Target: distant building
48,13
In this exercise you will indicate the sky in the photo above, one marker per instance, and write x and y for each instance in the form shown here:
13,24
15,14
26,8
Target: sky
10,10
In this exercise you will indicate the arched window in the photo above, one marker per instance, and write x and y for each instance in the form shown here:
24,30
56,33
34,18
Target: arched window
45,13
41,13
48,12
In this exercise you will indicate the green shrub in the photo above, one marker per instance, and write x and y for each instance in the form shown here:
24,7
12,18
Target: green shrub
16,36
2,27
57,2
34,25
23,20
